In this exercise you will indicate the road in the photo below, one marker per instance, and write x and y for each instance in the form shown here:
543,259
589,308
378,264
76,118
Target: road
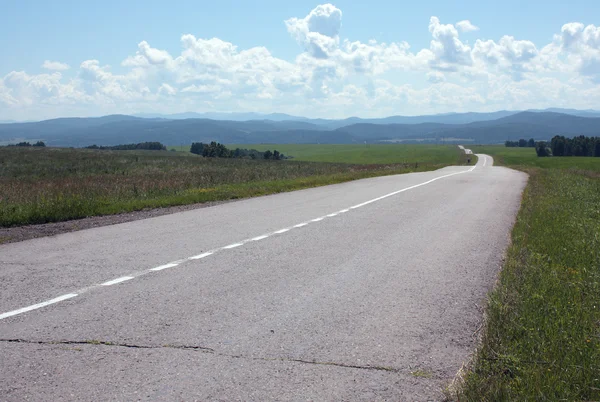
367,290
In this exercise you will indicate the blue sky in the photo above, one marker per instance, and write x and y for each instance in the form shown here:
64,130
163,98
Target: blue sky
552,53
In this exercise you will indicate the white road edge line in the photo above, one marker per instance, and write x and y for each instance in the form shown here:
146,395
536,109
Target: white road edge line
39,305
118,280
206,254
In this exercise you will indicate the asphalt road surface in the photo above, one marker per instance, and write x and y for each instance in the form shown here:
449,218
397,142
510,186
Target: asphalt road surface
367,290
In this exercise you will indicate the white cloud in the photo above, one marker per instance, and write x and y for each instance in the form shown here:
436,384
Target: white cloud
166,89
147,56
447,48
581,44
201,88
319,31
331,76
55,66
510,56
435,77
466,26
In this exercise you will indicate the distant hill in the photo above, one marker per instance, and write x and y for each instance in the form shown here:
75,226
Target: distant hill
574,112
224,116
120,129
331,124
536,125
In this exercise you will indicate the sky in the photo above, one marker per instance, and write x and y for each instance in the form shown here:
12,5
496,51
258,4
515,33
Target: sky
331,60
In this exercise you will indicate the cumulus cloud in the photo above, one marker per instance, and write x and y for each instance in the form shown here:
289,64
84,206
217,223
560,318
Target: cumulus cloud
435,77
21,89
55,65
582,45
319,31
166,89
466,26
147,56
447,48
509,55
331,76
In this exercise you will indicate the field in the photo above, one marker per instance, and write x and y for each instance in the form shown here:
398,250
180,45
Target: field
525,158
362,154
542,339
53,184
357,154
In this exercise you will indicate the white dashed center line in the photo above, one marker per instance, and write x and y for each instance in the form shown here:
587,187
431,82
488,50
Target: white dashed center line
233,246
118,280
200,256
36,306
166,266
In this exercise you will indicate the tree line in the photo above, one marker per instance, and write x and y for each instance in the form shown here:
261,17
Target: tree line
152,146
576,146
217,150
28,144
522,143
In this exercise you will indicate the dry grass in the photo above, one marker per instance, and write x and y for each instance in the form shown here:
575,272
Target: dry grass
51,185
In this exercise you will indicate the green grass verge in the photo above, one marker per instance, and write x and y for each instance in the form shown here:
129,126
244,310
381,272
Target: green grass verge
542,340
51,184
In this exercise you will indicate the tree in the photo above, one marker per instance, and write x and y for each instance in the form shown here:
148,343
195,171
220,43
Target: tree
197,148
153,146
531,143
557,144
522,143
276,155
541,149
268,154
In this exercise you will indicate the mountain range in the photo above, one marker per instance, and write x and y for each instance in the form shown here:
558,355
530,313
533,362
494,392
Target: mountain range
250,128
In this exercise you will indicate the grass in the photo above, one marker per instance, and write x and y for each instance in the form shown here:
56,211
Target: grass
524,158
421,373
51,184
356,154
542,338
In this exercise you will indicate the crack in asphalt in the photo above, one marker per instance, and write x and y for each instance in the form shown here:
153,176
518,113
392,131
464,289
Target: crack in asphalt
204,350
106,343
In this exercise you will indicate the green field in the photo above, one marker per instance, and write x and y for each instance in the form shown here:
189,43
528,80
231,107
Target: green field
526,158
363,154
542,338
52,184
358,154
